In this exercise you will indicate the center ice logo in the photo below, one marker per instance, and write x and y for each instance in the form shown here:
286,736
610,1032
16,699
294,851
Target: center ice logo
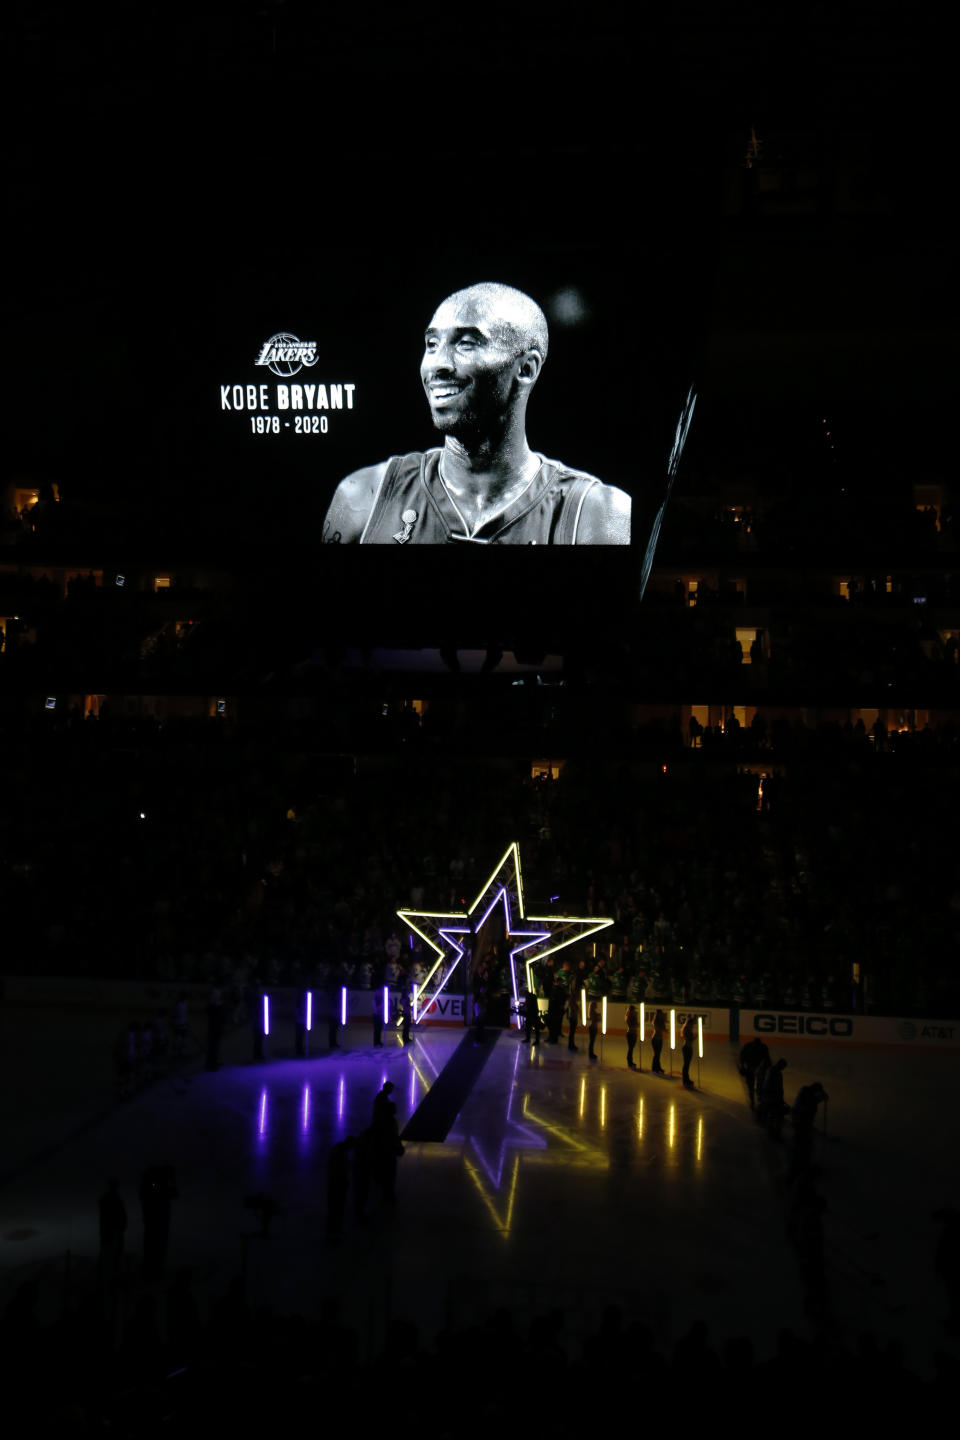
285,355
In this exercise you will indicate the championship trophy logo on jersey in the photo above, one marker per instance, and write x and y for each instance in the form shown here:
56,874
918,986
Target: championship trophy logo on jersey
409,518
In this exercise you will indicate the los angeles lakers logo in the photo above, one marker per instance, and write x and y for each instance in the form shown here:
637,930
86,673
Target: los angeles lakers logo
285,355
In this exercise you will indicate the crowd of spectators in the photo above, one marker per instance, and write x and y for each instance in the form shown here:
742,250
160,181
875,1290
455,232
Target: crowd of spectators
852,590
242,1366
773,867
798,526
810,643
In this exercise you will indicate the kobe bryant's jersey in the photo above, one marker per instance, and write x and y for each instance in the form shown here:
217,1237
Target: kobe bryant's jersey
413,506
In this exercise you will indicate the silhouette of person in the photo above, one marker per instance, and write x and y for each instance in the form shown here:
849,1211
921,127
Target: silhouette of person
752,1056
772,1098
656,1041
803,1113
573,1008
633,1023
688,1035
300,1031
385,1146
158,1190
555,1008
593,1025
532,1023
384,1109
333,1015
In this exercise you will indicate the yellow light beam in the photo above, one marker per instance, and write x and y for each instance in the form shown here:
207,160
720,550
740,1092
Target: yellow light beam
473,1172
556,1130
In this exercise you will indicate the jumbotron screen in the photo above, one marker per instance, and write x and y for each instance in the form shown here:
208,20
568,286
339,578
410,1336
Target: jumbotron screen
489,421
527,384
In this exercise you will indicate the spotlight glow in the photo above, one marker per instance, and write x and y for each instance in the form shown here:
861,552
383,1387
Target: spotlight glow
642,1025
309,1009
343,1004
266,1014
673,1029
603,1017
700,1034
386,1005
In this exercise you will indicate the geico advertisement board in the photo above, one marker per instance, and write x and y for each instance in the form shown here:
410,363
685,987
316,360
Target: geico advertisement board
765,1022
850,1029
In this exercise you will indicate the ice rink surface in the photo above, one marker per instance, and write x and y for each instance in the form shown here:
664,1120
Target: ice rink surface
563,1183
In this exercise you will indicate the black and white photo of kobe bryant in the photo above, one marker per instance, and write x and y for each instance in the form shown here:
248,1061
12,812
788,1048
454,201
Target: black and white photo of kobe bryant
483,352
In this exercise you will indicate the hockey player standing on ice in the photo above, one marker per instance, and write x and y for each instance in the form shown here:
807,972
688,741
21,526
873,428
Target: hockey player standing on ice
772,1098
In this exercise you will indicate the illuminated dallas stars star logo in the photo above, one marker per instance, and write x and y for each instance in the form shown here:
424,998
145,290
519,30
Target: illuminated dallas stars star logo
450,933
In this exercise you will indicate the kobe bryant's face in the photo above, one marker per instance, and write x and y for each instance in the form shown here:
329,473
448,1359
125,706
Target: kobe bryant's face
469,366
